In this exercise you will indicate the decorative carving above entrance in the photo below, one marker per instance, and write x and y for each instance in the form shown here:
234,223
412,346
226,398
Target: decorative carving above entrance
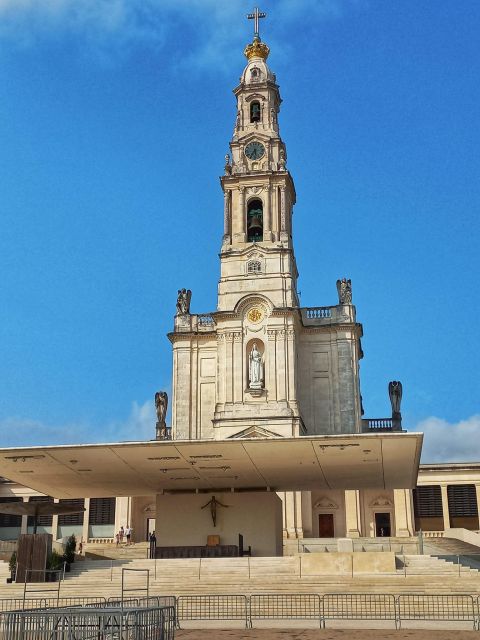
325,503
255,315
381,501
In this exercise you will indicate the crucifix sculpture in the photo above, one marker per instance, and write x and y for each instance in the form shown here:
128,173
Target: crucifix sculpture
255,16
213,502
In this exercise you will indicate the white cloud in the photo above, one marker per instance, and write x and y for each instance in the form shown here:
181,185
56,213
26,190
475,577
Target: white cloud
139,425
450,442
197,31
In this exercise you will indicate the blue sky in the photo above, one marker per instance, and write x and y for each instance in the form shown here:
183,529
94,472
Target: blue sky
115,116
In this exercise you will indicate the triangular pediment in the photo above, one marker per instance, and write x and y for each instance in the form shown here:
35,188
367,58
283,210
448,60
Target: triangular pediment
255,432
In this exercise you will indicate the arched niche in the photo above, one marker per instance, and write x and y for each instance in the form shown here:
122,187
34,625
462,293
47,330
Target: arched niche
255,220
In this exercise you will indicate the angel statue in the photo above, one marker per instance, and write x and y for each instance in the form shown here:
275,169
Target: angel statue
183,301
344,288
161,405
395,393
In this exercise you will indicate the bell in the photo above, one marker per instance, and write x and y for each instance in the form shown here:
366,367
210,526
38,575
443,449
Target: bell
255,223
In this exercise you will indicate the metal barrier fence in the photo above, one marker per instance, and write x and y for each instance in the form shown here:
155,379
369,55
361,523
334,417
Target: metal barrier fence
454,607
213,607
154,623
285,606
359,606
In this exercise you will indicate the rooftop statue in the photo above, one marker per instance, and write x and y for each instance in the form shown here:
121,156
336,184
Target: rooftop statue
183,301
161,406
344,288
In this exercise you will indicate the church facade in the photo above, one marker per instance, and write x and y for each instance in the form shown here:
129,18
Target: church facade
259,368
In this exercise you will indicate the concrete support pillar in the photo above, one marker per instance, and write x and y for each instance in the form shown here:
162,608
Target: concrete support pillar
24,525
402,501
122,513
86,520
298,514
55,522
352,513
446,512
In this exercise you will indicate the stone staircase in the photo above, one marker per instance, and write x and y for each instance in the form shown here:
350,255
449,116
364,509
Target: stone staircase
248,575
450,546
98,550
433,566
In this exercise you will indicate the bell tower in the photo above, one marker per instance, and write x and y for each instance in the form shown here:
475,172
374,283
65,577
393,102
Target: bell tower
259,194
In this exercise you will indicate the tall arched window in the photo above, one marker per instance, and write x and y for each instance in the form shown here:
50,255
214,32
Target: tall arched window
255,111
255,221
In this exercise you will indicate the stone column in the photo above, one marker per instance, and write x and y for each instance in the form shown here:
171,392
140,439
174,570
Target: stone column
220,369
229,367
291,368
238,378
280,354
55,522
298,514
242,214
283,214
226,216
271,365
352,513
289,524
86,520
267,215
446,512
403,513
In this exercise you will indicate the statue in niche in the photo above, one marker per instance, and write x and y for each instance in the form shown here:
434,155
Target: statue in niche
282,161
228,166
183,301
344,288
212,503
395,393
273,116
255,368
161,405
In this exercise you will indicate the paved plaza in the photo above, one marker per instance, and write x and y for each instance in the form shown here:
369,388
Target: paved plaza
324,634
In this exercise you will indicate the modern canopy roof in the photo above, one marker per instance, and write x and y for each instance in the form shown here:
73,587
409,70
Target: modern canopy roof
356,461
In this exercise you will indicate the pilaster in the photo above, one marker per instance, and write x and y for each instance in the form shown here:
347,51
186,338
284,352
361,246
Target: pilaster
352,513
402,500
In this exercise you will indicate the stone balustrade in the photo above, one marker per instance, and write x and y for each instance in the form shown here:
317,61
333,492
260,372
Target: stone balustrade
196,323
377,424
314,316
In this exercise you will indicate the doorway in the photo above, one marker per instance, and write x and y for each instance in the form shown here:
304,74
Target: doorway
325,525
383,528
150,527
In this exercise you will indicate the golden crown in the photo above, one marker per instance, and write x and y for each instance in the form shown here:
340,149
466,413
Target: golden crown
257,49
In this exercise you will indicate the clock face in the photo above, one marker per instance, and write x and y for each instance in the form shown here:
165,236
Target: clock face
254,150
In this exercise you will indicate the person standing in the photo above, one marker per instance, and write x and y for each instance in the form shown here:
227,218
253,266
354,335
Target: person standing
121,533
128,534
153,544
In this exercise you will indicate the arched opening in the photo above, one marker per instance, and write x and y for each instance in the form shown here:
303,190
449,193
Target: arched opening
255,221
255,111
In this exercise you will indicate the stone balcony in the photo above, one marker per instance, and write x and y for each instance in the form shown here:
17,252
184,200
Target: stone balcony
317,316
195,323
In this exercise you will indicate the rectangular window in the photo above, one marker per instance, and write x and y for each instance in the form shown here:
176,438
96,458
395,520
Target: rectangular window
43,521
9,520
102,511
427,502
72,518
462,500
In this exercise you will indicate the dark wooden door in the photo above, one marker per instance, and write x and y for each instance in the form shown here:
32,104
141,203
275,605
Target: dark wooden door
383,527
325,525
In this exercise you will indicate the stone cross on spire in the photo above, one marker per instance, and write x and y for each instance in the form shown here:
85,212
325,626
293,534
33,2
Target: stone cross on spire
255,16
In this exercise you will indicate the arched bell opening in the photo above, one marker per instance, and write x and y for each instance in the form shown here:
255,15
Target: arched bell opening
255,111
255,221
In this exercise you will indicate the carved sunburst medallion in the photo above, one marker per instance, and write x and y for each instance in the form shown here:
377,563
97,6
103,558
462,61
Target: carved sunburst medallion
255,315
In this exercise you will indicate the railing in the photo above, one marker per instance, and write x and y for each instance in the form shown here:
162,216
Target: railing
407,546
313,313
205,320
154,623
377,424
213,607
124,619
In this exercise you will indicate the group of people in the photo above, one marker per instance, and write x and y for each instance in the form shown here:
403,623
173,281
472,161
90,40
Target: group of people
124,533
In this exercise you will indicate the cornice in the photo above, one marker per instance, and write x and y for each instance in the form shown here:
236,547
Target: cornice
174,336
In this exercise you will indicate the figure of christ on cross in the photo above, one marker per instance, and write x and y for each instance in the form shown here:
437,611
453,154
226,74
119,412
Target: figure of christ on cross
213,502
255,16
